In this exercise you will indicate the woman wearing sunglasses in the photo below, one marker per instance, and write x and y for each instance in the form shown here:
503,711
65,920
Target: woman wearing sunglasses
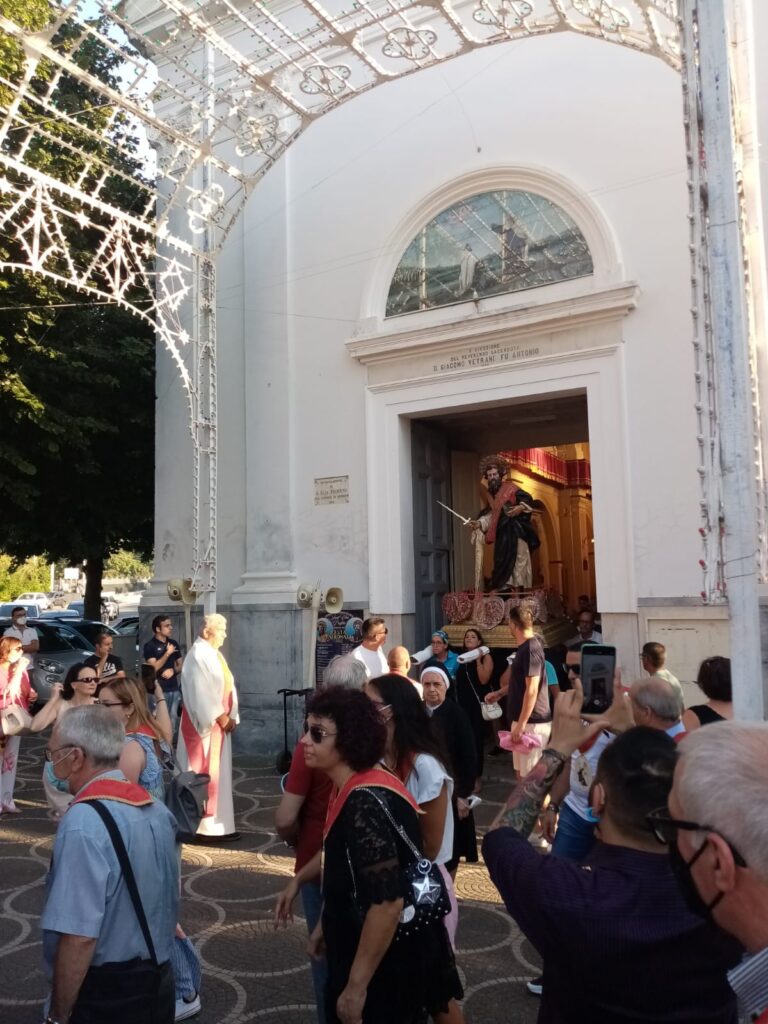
141,758
78,690
371,978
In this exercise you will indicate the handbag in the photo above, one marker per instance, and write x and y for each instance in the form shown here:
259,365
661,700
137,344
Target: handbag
185,795
426,899
490,712
14,719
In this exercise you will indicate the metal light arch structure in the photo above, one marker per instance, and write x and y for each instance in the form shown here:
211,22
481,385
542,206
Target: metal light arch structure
219,89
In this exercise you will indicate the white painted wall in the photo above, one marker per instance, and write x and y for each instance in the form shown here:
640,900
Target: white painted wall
604,118
324,222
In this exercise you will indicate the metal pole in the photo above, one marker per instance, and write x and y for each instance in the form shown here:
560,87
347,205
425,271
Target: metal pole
730,327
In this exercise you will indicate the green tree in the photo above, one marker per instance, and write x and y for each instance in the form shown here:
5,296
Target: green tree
127,563
76,379
18,578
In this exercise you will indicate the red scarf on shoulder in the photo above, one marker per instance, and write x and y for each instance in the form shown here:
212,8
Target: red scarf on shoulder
377,777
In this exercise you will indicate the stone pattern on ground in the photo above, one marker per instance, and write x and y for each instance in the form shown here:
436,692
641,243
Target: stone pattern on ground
250,972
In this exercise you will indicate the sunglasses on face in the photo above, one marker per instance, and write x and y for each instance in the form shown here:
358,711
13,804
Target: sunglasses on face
665,830
317,733
87,679
573,668
111,703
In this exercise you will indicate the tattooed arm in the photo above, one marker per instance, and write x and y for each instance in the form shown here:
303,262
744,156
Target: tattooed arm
569,732
524,804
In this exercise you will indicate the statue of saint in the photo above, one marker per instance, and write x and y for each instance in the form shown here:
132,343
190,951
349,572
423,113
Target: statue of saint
506,522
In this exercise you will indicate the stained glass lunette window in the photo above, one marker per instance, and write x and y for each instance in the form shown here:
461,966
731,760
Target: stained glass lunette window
488,244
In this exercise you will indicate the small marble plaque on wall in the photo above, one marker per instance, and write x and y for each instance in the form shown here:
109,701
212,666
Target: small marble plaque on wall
331,490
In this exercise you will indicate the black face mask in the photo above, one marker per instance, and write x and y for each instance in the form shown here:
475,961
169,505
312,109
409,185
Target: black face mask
682,871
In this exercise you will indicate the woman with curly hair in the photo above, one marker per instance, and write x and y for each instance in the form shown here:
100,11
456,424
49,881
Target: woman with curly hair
371,978
415,753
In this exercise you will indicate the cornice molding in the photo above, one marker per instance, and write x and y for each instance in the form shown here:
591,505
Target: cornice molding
513,323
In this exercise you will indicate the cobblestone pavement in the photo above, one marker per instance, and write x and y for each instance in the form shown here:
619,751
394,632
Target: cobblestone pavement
251,972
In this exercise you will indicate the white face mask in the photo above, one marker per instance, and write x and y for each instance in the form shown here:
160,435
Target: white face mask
21,620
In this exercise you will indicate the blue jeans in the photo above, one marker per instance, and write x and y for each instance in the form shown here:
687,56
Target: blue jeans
312,901
574,838
172,702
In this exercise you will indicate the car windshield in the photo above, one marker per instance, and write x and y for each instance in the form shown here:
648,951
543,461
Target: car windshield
6,609
58,638
90,630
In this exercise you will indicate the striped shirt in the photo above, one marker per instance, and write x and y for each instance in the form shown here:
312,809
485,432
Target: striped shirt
750,983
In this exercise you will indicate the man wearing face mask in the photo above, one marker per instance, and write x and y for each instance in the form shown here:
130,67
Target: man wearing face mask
619,943
30,643
717,831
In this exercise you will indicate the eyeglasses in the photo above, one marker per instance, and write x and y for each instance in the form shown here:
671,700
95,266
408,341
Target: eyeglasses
317,733
48,753
111,703
87,679
666,828
573,668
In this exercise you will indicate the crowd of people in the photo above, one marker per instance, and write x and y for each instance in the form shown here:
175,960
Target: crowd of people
632,850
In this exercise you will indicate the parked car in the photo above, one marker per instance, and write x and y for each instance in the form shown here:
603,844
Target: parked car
38,598
60,647
33,610
57,598
109,603
78,607
60,613
125,646
127,624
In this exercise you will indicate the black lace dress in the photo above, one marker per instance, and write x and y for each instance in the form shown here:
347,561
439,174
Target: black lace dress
364,854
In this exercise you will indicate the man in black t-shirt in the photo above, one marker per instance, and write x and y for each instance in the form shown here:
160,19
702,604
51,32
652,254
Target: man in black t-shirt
525,685
163,654
108,666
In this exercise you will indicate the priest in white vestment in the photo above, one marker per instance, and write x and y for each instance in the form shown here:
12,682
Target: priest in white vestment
209,717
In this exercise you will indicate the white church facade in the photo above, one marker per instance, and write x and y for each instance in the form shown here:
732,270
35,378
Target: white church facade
490,255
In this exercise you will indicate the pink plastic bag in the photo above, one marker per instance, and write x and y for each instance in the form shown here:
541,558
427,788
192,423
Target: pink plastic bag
528,741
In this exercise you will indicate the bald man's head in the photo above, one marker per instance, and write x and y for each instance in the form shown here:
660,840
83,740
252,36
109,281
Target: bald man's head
399,660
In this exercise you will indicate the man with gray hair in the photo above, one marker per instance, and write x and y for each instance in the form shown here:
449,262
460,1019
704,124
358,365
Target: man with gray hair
345,670
106,949
209,718
659,704
717,831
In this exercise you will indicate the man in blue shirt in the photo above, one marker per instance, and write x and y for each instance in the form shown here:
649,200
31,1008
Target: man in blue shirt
96,955
618,942
163,654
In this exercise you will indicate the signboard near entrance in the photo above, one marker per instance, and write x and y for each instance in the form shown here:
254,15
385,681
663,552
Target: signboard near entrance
337,634
331,490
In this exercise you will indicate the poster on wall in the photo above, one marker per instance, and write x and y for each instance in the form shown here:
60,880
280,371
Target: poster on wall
336,634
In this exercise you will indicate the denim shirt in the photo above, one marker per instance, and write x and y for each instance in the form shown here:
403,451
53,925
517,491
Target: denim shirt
86,894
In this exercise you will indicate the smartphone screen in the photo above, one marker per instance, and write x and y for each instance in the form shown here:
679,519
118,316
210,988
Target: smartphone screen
598,665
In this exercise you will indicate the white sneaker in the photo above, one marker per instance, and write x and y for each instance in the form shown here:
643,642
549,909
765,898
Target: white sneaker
185,1010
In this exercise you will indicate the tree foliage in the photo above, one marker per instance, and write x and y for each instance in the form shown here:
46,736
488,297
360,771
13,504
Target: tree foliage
76,377
19,578
127,564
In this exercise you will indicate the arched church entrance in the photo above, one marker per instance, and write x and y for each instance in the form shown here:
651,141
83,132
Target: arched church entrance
542,444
